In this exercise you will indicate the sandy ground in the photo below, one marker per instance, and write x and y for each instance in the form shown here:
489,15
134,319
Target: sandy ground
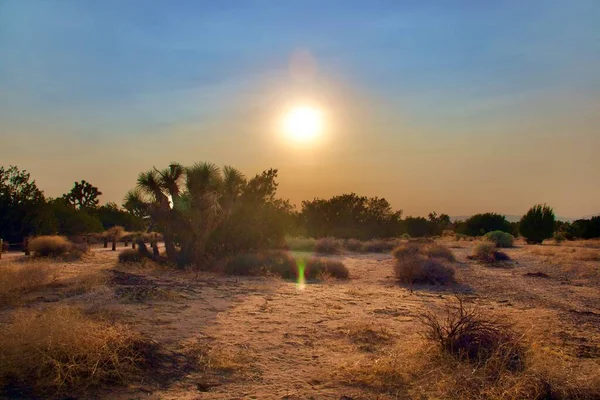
287,342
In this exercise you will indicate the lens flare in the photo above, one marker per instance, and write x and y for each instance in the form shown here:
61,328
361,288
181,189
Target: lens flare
301,265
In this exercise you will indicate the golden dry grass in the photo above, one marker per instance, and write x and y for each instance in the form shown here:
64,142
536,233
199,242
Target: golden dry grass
19,279
44,246
62,351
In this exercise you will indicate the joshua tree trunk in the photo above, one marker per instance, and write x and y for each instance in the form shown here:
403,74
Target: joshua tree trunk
114,244
133,244
169,247
105,243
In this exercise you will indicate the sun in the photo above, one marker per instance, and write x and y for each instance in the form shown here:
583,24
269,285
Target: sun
303,123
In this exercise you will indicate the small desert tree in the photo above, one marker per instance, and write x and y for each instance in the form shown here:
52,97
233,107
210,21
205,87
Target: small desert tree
538,224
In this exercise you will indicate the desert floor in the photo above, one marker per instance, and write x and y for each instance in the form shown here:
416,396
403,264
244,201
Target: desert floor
266,338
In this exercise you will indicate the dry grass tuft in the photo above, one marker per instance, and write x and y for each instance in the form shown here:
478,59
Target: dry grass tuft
216,359
380,246
318,268
132,256
328,246
18,279
60,351
115,233
367,335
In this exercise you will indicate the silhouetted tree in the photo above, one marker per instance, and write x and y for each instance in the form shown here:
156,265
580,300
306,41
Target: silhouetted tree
480,224
83,195
538,224
23,208
350,216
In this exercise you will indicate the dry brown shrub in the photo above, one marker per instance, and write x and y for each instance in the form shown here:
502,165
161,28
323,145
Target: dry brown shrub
300,244
464,332
60,351
115,233
488,253
422,262
379,245
44,246
328,246
354,245
18,279
587,255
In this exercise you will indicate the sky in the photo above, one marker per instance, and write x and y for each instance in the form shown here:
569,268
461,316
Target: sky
454,106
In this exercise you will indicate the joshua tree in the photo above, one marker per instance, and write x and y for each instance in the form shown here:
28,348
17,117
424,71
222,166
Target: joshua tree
187,212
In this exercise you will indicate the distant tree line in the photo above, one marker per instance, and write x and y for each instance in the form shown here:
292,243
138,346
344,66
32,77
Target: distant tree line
204,211
25,211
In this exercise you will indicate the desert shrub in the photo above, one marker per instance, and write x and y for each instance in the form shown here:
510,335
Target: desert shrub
354,245
538,224
487,252
379,246
114,233
500,238
405,236
282,264
328,246
440,251
460,236
44,246
132,256
424,270
559,237
62,351
406,250
319,267
276,262
300,244
468,335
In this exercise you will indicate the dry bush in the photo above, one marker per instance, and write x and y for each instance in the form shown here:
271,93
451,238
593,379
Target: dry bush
354,245
465,333
281,263
379,246
317,268
114,233
419,269
18,279
133,256
328,246
440,251
488,253
44,246
61,351
300,244
277,262
422,262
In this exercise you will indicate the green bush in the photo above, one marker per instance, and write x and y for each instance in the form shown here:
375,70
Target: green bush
405,236
500,239
460,236
559,237
538,224
487,252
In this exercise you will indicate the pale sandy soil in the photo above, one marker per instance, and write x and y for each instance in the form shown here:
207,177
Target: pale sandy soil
287,343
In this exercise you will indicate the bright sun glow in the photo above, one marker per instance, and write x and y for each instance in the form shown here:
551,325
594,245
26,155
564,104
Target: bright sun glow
303,123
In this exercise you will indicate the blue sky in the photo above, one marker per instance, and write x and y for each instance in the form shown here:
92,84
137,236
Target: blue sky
86,83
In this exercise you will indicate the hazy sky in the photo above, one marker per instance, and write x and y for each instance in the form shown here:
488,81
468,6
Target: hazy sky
453,106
